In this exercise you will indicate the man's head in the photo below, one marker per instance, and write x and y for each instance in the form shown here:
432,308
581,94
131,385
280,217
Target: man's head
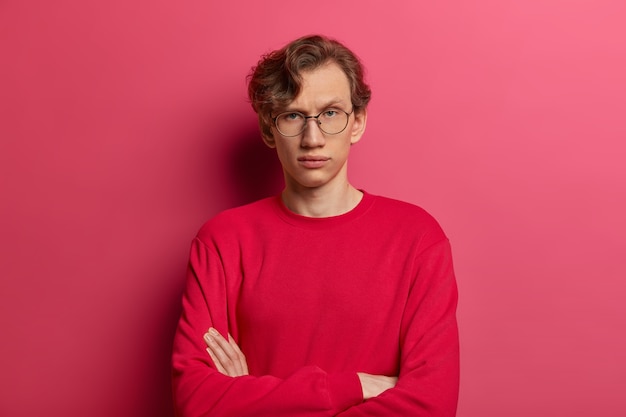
277,79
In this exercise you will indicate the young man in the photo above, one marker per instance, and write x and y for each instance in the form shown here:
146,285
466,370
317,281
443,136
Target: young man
342,302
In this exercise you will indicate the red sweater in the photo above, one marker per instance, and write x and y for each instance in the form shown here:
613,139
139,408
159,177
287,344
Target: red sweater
313,301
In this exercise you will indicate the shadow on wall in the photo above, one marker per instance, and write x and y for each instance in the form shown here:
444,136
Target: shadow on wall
251,171
158,400
255,169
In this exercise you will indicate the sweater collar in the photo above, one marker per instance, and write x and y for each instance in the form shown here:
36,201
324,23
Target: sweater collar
323,222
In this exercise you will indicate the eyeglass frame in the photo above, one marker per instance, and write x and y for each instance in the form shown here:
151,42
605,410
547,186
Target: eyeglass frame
319,124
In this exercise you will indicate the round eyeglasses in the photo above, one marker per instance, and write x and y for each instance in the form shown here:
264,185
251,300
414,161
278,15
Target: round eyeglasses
331,121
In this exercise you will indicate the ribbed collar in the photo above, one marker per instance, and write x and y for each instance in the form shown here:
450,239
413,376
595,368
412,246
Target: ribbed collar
323,222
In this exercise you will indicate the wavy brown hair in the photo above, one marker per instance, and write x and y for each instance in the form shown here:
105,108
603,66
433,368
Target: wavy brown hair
277,78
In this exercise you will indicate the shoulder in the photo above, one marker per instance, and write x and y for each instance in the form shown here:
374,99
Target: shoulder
398,205
402,211
242,218
406,219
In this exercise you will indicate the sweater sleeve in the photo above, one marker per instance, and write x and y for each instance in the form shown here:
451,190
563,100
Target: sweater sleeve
428,383
200,390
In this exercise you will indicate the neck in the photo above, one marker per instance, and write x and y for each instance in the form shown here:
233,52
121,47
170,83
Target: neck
322,202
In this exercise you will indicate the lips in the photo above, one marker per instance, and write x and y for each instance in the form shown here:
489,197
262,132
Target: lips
313,161
313,158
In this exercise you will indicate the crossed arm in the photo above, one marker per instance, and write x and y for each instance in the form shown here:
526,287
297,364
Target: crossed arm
230,360
427,384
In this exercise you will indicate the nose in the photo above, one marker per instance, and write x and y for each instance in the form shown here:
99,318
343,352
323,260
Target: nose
312,136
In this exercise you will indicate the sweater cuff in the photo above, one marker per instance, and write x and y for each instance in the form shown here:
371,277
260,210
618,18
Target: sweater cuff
344,390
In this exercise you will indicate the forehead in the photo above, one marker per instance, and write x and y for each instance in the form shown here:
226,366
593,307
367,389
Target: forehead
321,87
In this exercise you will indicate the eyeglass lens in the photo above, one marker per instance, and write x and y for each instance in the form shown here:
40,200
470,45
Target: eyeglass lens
330,121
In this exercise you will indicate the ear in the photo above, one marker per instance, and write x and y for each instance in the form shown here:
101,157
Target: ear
358,126
269,141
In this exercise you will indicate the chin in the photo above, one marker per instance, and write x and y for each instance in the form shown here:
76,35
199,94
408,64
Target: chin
312,179
312,184
309,182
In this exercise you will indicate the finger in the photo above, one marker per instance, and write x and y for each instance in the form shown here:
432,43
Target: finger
212,348
216,362
224,353
242,357
223,361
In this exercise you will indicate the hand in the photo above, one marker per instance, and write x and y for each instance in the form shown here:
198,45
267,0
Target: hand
374,385
226,355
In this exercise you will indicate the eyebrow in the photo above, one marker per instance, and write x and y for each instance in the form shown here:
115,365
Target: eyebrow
331,103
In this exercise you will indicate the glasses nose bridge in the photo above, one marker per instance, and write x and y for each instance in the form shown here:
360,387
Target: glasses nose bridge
317,119
310,134
305,120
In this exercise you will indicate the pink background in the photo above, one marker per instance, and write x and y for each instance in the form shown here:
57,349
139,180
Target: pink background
124,125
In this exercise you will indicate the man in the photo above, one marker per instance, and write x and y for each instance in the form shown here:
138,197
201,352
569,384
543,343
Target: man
342,302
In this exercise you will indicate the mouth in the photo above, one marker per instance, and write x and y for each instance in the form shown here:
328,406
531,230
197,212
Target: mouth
313,158
313,161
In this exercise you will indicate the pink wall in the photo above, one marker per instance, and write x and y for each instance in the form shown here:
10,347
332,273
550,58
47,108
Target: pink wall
124,126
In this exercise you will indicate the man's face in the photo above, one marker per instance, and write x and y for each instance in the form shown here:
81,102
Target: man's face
314,159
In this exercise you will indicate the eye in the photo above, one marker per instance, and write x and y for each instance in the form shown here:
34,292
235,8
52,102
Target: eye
330,113
291,117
